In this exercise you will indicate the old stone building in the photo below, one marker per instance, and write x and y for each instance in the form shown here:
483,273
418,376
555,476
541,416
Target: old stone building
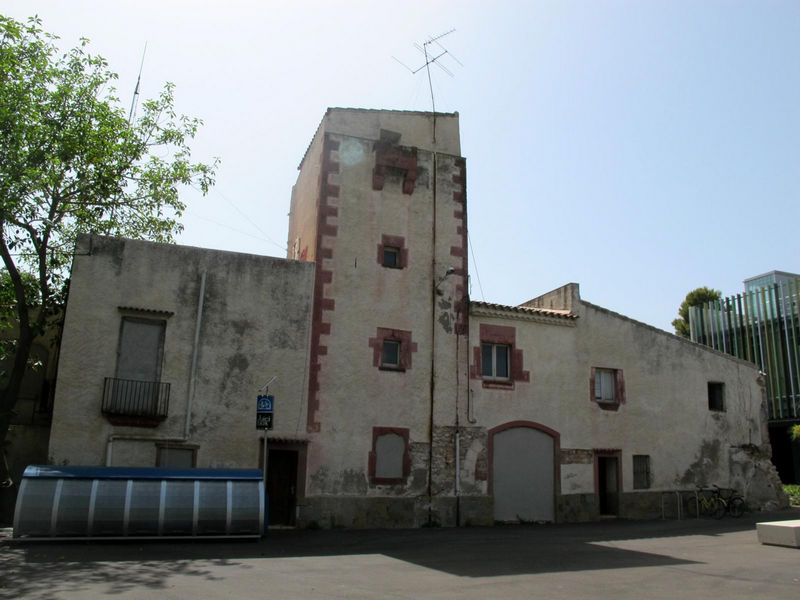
398,402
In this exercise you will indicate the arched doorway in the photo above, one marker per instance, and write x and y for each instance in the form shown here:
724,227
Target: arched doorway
524,471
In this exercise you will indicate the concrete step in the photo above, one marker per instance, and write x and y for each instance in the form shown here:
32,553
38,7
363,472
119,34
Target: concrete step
779,533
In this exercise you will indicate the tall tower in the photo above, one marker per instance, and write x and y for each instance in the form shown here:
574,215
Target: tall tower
381,209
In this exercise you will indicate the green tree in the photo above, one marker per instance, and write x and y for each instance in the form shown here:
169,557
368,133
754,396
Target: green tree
696,297
72,162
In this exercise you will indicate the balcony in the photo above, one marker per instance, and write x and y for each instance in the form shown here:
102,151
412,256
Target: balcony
136,403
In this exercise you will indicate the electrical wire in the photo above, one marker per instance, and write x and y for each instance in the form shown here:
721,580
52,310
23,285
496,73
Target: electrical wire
266,237
475,262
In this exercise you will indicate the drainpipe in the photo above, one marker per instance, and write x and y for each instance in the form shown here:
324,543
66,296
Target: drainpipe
193,375
458,430
433,350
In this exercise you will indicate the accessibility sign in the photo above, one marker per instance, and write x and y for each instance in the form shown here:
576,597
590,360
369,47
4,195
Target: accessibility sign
264,411
266,404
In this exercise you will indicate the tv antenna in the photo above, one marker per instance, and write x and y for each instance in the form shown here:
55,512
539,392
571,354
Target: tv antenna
432,56
135,99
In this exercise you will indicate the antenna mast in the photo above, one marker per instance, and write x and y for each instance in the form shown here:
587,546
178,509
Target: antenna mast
135,99
429,60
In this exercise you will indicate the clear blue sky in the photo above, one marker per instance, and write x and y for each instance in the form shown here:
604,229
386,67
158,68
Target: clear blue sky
639,148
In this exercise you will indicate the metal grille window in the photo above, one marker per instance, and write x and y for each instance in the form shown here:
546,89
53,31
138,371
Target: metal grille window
641,472
495,361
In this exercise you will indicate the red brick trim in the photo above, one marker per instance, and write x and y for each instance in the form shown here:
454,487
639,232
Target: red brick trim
460,253
377,432
320,321
407,347
394,241
392,157
499,334
532,425
299,446
607,453
619,389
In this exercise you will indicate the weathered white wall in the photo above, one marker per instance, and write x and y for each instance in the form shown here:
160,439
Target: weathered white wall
416,127
665,414
310,323
356,295
255,325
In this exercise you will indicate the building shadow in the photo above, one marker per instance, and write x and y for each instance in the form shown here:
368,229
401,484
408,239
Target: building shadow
47,569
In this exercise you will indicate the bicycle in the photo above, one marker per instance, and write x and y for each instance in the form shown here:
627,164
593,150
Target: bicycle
713,503
734,503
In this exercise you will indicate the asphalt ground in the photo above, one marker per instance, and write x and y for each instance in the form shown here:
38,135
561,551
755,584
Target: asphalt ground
609,559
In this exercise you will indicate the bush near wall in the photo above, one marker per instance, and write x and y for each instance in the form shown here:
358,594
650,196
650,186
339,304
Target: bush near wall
793,491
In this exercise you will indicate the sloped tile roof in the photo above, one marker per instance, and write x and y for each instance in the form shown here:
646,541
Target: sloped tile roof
522,311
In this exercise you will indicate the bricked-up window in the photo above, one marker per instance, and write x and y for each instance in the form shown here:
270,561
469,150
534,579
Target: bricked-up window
389,460
392,252
641,472
392,349
495,362
716,396
183,456
607,388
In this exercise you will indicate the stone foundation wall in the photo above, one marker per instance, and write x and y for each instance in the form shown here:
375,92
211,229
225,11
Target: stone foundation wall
576,508
355,512
647,505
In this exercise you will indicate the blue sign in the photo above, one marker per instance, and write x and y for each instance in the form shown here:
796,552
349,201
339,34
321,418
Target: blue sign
265,404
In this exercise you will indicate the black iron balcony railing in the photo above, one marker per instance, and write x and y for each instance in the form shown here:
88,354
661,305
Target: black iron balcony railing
131,402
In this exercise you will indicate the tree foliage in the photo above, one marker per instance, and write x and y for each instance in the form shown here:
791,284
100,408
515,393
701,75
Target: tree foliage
71,162
696,297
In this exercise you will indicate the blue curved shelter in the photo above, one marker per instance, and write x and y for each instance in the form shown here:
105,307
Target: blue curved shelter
124,502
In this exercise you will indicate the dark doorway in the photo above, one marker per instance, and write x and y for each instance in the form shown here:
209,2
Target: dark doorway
282,486
785,453
608,484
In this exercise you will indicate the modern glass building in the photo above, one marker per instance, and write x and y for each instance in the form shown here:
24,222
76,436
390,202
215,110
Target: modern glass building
762,325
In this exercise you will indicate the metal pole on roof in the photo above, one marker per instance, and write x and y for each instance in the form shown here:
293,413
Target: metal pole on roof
429,60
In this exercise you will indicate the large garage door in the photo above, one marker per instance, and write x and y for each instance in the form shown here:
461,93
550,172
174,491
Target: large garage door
523,478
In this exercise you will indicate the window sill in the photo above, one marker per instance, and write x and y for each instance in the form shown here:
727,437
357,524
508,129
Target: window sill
134,421
395,369
498,384
607,405
388,481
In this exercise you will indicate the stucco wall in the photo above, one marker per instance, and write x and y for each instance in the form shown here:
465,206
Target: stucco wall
417,203
255,324
665,413
416,128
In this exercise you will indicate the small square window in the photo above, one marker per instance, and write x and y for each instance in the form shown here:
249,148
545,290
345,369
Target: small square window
391,257
604,386
716,396
607,388
390,354
494,361
641,472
